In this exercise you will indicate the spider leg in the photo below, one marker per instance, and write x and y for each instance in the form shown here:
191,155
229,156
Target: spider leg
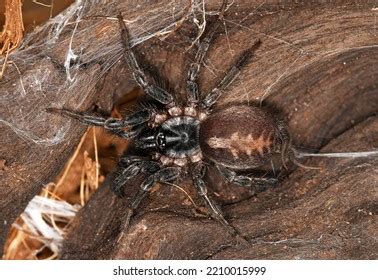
215,211
165,175
129,167
212,97
257,184
126,160
153,91
111,124
194,68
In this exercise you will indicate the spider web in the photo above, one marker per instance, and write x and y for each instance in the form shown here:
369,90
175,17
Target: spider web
34,86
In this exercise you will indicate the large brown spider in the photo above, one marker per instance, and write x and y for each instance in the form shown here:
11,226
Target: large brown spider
182,141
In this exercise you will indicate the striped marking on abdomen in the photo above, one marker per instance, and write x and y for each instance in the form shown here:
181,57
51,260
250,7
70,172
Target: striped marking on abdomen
241,144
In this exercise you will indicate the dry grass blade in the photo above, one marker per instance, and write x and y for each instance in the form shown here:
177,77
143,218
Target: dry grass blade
12,34
39,231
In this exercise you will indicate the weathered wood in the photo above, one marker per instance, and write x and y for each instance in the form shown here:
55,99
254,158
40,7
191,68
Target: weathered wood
318,64
35,79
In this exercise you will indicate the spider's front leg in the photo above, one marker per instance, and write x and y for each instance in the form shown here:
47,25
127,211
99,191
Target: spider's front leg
194,68
215,210
140,77
212,97
257,184
113,125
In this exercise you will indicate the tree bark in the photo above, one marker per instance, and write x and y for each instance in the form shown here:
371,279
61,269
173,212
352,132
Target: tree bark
317,66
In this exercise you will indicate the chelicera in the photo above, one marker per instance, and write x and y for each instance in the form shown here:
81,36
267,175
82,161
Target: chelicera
183,140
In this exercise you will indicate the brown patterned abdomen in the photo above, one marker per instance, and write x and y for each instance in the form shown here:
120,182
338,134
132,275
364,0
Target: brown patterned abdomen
239,137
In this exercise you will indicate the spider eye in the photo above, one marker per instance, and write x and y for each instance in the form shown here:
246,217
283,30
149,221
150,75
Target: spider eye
160,140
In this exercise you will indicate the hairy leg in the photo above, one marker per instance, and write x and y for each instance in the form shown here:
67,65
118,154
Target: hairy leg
212,206
151,90
113,125
212,97
194,68
165,175
257,184
128,168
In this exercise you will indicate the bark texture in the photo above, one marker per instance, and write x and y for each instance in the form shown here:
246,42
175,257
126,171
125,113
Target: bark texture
318,67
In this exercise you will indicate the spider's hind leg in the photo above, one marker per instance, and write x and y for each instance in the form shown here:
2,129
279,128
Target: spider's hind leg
212,206
164,175
257,184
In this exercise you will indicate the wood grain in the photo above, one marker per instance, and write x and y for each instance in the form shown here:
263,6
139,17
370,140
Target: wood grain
317,66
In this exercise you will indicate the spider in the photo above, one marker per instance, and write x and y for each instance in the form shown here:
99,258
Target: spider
182,140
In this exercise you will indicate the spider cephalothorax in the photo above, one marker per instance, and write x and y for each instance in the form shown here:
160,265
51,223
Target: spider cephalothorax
183,140
173,136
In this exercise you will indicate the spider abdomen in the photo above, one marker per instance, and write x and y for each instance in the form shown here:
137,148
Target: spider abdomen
239,137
